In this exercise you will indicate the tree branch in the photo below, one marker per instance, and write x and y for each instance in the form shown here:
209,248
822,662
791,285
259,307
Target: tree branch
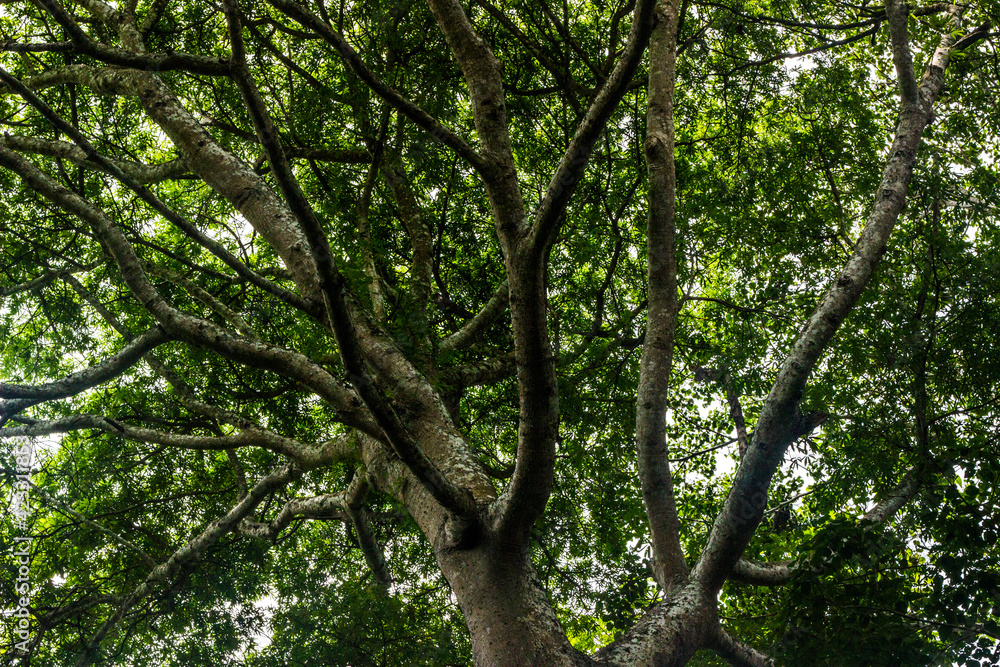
898,14
195,290
141,173
744,506
548,217
424,120
736,652
42,280
567,84
657,350
470,331
147,196
181,325
153,16
60,506
758,573
194,550
154,62
333,287
307,457
74,383
421,242
345,506
486,371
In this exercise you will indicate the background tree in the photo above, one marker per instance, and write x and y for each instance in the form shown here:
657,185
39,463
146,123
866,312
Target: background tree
504,332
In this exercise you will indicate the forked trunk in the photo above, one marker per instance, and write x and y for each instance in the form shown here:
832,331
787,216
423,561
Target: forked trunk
513,624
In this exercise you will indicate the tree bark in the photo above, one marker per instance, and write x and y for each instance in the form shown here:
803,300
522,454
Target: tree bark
657,351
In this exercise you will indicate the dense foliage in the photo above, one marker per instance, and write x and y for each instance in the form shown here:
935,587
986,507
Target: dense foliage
778,159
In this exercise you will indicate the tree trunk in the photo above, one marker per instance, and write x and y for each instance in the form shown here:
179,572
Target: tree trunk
508,612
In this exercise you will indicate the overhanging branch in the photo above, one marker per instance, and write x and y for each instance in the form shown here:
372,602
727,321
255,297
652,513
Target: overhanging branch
193,551
74,383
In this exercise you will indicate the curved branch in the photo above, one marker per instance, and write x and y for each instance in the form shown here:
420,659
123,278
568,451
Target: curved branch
470,331
42,280
333,287
757,573
152,16
326,506
421,241
100,80
526,255
186,327
907,487
779,419
306,456
309,455
548,217
737,652
154,62
567,84
147,196
74,383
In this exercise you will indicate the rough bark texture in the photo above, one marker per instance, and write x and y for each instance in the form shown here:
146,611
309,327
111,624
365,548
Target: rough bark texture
661,324
480,537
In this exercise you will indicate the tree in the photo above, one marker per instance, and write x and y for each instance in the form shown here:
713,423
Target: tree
353,309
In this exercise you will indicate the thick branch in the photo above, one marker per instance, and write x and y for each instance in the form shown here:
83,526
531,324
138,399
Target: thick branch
482,76
744,506
737,652
486,371
658,346
333,288
141,173
155,62
100,80
181,325
527,256
757,573
898,15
